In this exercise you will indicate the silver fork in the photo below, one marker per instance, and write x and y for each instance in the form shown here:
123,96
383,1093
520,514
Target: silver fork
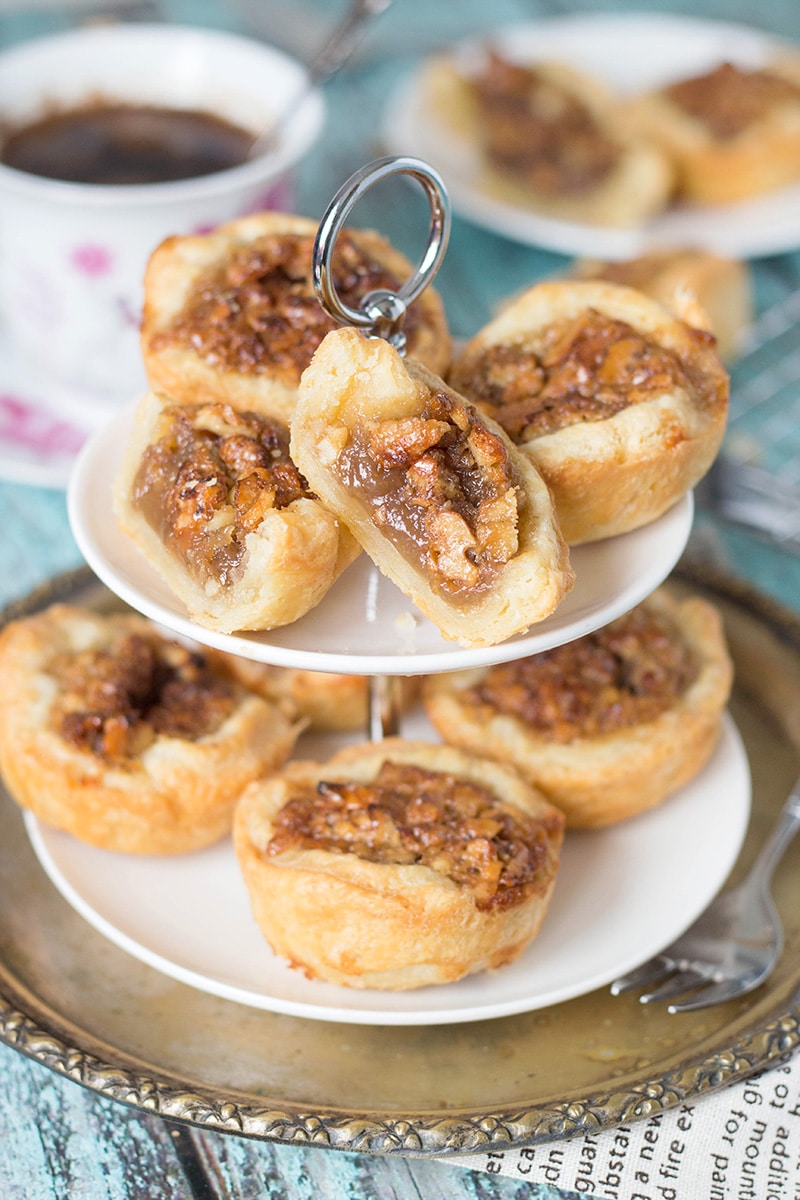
733,946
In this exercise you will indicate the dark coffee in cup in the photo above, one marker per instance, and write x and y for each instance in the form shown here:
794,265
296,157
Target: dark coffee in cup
114,143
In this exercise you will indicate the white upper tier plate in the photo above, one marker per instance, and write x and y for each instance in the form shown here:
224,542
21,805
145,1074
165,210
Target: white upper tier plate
365,625
631,53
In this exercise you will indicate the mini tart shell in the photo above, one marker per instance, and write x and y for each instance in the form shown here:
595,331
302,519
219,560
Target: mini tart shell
363,924
290,560
762,158
611,476
601,780
179,262
353,380
176,796
637,188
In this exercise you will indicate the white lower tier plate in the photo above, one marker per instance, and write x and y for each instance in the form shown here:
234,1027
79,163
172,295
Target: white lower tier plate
365,625
622,894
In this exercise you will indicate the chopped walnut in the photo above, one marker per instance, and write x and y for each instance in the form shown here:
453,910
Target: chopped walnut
729,99
210,479
115,701
258,312
623,675
442,487
409,814
539,133
583,369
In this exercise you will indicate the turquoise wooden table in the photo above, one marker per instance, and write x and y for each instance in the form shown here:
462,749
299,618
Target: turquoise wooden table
58,1140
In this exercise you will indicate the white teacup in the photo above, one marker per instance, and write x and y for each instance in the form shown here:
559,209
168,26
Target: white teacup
72,255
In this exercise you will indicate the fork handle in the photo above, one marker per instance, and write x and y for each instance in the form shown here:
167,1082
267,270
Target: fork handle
778,840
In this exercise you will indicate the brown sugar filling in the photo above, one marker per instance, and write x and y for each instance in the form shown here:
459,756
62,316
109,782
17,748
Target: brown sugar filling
209,480
539,133
623,675
410,815
258,313
442,488
585,368
115,701
728,100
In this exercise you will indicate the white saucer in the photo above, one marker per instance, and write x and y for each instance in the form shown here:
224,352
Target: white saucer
365,625
631,53
622,894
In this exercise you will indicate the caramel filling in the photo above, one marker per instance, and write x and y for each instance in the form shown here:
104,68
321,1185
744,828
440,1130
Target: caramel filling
582,369
540,134
258,313
441,487
209,480
410,815
115,701
623,675
729,100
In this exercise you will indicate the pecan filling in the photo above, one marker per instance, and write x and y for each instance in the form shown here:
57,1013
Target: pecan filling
582,369
114,702
441,487
410,815
623,675
210,479
259,312
540,134
729,99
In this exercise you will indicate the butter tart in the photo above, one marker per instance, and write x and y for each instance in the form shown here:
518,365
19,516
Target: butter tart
436,494
398,864
213,500
732,132
124,739
550,138
233,314
608,725
620,405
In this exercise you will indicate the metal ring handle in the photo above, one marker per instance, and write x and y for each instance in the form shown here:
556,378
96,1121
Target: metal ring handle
383,311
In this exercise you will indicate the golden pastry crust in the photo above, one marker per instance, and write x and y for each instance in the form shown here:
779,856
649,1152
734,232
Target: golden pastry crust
363,905
212,499
614,723
437,495
732,132
123,739
233,314
685,281
552,139
621,406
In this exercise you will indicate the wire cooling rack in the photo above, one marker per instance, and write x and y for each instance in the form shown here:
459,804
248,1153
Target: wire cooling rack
755,480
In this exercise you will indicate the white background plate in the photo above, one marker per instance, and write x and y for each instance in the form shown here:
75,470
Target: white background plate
622,894
365,625
631,53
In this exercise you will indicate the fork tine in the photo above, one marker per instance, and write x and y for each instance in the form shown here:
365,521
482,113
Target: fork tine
649,972
714,993
682,981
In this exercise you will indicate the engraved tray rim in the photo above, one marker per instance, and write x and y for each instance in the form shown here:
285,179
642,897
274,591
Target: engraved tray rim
33,1028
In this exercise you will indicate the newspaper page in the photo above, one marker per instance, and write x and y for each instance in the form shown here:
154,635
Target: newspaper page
742,1143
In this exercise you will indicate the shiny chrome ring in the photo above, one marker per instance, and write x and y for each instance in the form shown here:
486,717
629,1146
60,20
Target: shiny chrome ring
381,312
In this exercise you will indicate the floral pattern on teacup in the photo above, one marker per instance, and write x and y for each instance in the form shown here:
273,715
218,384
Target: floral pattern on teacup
92,260
23,424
